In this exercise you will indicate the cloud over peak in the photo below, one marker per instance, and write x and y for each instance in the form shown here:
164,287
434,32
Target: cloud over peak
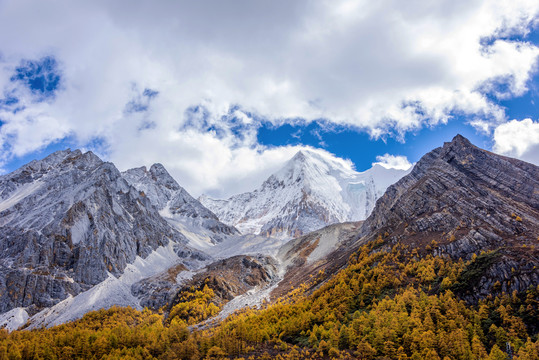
188,83
518,139
393,162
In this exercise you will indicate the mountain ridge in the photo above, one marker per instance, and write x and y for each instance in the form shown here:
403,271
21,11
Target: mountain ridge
59,219
310,191
469,201
416,213
175,204
444,267
457,202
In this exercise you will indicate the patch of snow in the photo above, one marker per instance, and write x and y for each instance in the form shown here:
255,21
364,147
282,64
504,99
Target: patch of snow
13,319
79,229
246,245
252,298
19,194
197,236
112,291
117,208
327,242
184,275
166,213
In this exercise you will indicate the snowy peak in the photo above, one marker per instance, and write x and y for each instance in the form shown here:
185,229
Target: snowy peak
165,193
313,166
312,190
300,156
57,162
161,176
68,222
176,205
310,171
156,184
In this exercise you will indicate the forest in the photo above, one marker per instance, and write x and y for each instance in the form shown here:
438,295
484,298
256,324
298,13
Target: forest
387,303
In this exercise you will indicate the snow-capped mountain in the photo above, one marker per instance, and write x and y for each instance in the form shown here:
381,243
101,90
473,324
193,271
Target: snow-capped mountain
311,191
69,222
176,205
76,235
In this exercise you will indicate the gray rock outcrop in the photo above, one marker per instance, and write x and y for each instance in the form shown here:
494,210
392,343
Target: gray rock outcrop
175,203
66,222
468,200
228,278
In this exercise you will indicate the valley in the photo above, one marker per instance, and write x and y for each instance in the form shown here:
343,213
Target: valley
439,261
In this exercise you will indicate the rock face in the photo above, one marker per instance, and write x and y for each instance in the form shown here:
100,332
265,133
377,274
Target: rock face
157,291
311,191
325,250
228,278
236,275
468,200
66,222
175,204
70,222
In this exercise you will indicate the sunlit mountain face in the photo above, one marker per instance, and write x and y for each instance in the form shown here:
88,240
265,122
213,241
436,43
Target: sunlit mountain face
258,180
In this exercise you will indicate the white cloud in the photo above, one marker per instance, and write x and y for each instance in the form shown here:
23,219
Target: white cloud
203,163
384,66
518,139
393,162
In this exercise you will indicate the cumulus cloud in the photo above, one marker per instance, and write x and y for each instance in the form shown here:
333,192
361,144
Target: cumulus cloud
518,139
385,67
393,162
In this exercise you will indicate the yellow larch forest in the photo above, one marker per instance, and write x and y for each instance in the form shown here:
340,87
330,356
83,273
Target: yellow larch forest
393,304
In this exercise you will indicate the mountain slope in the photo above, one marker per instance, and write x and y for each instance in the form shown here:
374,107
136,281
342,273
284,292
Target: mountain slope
302,259
311,191
67,223
175,204
458,200
389,288
468,201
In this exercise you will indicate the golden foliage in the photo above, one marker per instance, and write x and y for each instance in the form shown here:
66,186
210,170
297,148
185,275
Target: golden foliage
385,304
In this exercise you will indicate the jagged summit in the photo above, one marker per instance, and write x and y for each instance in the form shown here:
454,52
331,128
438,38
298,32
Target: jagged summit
161,176
460,140
175,204
313,189
157,173
299,156
37,167
470,169
60,220
468,200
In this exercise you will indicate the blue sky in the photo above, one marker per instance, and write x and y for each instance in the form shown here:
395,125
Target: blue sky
224,97
361,148
344,142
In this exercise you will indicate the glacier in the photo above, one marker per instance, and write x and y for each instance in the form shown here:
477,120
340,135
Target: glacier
311,191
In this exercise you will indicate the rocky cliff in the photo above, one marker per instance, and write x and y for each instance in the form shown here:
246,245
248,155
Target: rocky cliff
468,201
68,221
175,204
228,278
